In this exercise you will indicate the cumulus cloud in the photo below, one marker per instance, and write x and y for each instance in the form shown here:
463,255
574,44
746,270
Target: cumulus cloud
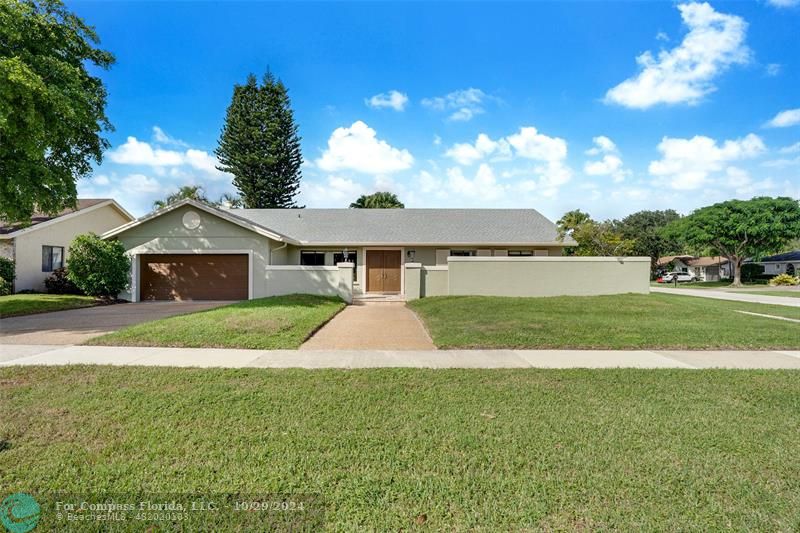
685,74
463,104
358,148
686,164
161,137
784,119
531,144
392,100
791,149
135,152
483,186
333,191
611,162
773,69
783,3
467,154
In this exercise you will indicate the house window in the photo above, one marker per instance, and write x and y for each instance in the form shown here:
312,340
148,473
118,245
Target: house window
352,257
463,253
52,258
520,253
789,270
312,258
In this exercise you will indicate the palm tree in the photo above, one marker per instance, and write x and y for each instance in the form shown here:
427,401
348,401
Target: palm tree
192,192
378,200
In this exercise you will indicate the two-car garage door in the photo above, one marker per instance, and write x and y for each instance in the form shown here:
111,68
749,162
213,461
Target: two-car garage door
193,276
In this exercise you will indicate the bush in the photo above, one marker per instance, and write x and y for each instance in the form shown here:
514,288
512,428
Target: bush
5,287
7,270
98,267
784,279
59,283
751,272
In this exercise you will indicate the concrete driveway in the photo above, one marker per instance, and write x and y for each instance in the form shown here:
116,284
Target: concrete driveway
77,325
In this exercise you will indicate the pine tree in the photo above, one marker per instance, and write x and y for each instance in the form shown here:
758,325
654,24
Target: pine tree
260,144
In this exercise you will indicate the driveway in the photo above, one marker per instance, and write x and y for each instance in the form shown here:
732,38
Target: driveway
732,296
77,325
372,326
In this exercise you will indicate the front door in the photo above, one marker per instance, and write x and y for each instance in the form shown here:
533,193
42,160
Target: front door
383,270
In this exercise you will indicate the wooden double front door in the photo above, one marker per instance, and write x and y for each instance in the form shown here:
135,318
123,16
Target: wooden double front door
383,270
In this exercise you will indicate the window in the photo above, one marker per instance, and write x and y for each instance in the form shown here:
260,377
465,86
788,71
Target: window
352,257
463,253
312,258
519,253
789,270
52,258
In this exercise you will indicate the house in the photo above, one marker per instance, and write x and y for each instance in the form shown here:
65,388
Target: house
190,250
40,247
788,262
706,268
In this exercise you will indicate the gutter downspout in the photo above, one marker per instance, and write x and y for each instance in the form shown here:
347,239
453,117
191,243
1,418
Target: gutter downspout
281,247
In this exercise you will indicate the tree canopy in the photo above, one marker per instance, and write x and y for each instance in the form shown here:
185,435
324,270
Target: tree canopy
378,200
52,110
738,229
196,192
260,144
645,229
593,238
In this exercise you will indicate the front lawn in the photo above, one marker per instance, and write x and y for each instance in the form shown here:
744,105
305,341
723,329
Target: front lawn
721,284
392,449
784,293
628,321
267,323
28,304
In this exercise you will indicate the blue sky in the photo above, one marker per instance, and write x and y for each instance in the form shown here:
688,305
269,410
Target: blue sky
606,107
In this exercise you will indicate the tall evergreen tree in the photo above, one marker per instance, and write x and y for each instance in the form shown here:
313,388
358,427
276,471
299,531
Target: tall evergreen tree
260,144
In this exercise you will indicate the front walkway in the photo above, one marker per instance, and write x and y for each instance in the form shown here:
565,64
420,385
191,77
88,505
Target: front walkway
209,358
733,296
372,326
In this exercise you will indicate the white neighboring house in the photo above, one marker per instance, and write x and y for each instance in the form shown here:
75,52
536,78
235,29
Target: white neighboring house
788,263
40,248
708,268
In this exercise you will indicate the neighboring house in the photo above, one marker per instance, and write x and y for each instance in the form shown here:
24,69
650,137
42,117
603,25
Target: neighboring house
788,262
707,268
41,246
190,250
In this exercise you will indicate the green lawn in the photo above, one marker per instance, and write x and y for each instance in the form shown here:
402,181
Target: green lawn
723,284
510,450
267,323
788,294
28,304
629,321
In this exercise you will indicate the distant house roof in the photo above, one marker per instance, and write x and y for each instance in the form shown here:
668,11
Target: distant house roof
787,256
7,228
693,261
408,226
667,259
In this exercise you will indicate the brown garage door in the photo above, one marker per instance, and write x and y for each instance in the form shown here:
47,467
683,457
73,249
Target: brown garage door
193,277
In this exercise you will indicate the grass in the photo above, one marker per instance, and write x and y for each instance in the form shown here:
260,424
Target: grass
629,321
390,449
784,293
722,284
29,304
280,322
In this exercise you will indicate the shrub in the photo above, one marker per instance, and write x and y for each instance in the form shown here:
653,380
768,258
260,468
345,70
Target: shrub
5,287
98,267
7,270
751,272
784,279
59,283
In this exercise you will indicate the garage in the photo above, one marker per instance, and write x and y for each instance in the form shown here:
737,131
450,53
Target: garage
194,276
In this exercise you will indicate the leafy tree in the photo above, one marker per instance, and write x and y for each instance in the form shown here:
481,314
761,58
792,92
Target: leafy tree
190,192
644,228
378,200
229,201
7,275
593,238
738,229
52,110
98,267
571,221
260,144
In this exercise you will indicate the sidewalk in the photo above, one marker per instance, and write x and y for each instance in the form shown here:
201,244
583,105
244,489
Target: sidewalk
732,296
23,354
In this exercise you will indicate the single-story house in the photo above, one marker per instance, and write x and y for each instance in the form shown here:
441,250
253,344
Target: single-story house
190,250
706,268
788,262
41,247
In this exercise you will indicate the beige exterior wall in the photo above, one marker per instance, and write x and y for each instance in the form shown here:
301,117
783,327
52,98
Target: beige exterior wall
28,246
434,281
321,280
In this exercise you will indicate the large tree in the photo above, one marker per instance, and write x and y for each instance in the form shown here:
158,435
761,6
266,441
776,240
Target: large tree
644,228
382,200
260,144
738,229
52,110
196,192
593,238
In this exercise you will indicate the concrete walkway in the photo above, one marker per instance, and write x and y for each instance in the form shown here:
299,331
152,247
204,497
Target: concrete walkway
207,357
372,326
732,296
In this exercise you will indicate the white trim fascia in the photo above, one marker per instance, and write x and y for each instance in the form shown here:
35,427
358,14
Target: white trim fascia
135,264
388,245
224,215
434,267
52,221
301,267
550,259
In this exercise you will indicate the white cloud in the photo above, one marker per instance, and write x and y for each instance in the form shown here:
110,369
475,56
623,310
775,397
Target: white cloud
531,144
437,140
611,162
101,179
467,154
685,74
783,3
201,160
662,36
792,149
135,152
773,69
483,186
464,104
687,163
602,145
161,137
335,191
784,119
393,100
357,148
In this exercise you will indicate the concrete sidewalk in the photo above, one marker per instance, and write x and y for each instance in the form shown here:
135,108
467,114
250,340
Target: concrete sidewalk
344,359
732,296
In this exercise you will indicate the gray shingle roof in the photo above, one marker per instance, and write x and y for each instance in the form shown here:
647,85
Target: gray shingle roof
406,226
